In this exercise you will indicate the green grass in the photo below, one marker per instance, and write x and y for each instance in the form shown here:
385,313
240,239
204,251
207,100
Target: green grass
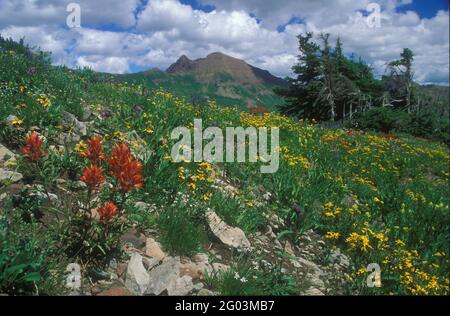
187,86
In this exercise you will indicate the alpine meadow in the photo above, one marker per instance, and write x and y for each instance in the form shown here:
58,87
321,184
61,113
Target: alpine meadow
326,174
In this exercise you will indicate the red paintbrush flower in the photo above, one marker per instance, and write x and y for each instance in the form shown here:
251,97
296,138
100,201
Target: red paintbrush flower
125,168
94,152
93,177
33,146
131,177
108,211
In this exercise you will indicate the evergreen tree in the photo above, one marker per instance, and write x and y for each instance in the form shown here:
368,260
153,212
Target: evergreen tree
399,81
329,86
302,91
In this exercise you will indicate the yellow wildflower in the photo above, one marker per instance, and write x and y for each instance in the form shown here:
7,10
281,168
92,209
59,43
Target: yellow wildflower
332,235
16,121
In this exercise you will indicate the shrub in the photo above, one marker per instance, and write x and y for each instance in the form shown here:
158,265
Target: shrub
381,119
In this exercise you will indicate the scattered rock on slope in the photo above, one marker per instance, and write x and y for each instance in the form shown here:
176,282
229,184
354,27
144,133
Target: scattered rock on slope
231,236
180,286
6,175
162,277
137,278
153,249
6,154
69,121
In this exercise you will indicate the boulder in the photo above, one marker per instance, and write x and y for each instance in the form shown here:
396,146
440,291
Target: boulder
340,258
206,292
86,112
145,207
309,265
6,175
6,154
161,277
134,239
137,277
181,286
70,122
312,291
220,267
67,138
230,236
153,249
197,268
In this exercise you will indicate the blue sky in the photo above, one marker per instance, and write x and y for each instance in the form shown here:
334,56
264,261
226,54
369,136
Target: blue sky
425,8
122,36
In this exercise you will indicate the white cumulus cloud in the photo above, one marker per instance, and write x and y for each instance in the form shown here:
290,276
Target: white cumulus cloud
117,35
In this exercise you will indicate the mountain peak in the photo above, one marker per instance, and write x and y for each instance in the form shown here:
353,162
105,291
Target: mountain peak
183,58
217,63
217,54
182,65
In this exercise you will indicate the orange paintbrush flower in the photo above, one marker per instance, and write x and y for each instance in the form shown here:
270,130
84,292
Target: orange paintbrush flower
93,177
108,211
94,151
33,146
125,168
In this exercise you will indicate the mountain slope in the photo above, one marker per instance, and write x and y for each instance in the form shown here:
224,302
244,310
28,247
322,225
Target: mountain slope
206,69
227,80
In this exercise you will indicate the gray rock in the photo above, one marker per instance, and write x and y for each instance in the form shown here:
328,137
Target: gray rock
145,207
181,286
133,238
206,292
69,121
6,175
85,113
201,258
6,154
60,148
67,138
316,282
312,291
340,258
199,286
150,263
137,277
231,236
161,277
288,248
220,267
309,265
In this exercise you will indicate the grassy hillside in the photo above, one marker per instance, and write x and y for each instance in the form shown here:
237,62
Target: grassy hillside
377,197
222,89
